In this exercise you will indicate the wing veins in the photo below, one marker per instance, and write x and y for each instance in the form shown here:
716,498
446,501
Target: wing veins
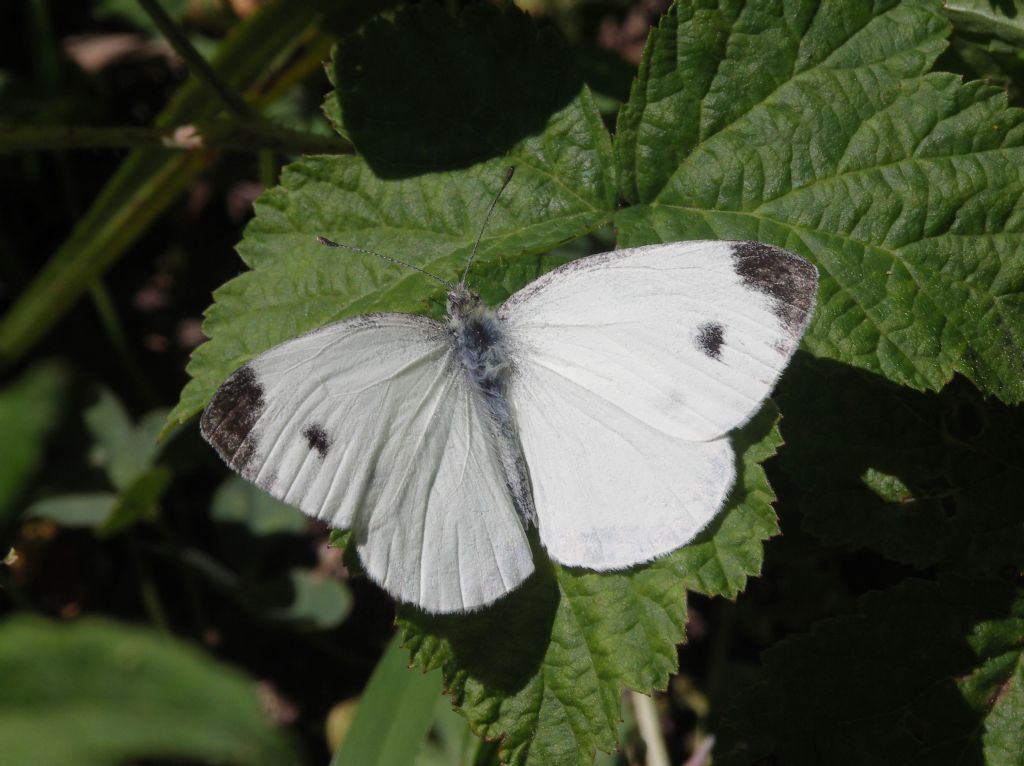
538,361
634,448
430,491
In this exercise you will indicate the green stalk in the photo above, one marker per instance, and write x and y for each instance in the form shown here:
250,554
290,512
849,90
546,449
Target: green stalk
196,63
119,340
220,134
151,179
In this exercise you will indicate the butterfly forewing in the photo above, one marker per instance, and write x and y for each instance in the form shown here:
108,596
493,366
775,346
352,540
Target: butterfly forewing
369,424
687,337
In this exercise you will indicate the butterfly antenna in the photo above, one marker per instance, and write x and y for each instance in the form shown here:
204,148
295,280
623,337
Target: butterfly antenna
508,177
332,243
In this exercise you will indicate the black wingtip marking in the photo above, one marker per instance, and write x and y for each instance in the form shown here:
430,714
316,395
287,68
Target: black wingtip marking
791,281
317,438
710,337
228,420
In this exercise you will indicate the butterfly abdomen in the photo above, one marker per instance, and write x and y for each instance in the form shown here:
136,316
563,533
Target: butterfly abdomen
479,341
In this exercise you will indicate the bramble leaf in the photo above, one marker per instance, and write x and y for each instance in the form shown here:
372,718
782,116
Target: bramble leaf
925,479
929,673
819,130
987,17
457,92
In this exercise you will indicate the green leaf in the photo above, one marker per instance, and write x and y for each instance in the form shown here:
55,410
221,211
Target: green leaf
123,449
309,597
926,673
818,129
139,501
331,106
563,188
239,502
127,452
29,409
393,716
984,58
424,92
544,667
98,693
995,18
925,479
90,509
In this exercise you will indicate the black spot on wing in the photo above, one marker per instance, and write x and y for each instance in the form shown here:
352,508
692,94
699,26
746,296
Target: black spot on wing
710,337
317,438
791,281
228,420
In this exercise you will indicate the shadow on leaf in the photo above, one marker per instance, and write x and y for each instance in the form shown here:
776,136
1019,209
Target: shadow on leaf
921,478
424,92
919,675
503,645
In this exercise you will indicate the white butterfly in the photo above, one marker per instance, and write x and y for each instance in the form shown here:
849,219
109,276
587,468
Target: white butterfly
595,403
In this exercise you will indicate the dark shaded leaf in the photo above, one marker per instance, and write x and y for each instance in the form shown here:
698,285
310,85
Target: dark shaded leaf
925,674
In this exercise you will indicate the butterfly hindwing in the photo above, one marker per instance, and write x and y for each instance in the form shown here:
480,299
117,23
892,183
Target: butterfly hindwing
369,424
610,490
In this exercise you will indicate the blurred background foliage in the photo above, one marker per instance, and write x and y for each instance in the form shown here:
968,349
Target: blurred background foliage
155,608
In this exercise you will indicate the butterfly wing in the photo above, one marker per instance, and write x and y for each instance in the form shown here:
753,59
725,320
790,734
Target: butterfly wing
609,490
629,369
369,424
689,337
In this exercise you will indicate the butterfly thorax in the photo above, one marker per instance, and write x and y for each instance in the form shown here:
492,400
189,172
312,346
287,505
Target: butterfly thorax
478,339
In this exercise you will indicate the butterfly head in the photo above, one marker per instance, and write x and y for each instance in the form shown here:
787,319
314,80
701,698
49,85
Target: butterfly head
463,302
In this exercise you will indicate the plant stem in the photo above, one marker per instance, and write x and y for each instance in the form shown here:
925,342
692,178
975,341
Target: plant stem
234,103
268,169
208,134
650,729
115,333
147,588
